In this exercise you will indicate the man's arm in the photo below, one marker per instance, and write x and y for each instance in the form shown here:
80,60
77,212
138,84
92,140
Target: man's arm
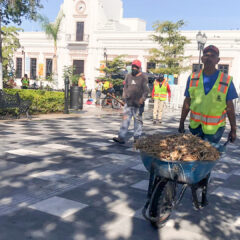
125,88
153,90
232,119
169,92
185,111
145,89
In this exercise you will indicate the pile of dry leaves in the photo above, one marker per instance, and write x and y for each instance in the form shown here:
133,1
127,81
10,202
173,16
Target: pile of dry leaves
178,147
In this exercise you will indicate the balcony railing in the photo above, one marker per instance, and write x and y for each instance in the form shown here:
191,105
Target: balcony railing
71,38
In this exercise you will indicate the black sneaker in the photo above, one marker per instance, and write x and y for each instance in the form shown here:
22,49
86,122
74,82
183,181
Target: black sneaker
118,140
154,122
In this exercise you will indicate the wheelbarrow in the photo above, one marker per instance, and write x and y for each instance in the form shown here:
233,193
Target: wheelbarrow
166,176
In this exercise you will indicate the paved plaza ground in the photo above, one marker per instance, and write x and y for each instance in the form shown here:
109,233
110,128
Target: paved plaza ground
62,178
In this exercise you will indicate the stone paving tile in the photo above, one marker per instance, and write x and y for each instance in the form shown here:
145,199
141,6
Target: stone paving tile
143,185
228,193
58,206
51,175
24,152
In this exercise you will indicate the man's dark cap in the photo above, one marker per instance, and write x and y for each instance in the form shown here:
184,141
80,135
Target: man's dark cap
160,76
211,48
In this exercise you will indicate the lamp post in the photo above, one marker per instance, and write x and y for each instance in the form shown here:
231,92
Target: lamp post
201,40
66,95
105,55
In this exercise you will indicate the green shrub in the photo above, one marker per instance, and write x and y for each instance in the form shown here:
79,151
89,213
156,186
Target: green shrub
42,101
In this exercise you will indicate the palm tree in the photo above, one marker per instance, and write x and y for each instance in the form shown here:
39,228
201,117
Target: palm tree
52,30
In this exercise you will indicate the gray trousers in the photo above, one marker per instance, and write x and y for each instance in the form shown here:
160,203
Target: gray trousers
128,113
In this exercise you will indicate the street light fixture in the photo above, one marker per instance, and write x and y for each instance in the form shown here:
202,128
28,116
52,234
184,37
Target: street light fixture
201,40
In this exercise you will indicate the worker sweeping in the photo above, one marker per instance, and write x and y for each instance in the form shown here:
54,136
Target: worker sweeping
135,92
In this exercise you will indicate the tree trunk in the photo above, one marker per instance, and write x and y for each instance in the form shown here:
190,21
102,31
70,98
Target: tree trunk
55,59
1,60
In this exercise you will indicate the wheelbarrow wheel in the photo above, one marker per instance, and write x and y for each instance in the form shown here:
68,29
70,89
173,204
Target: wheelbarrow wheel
162,203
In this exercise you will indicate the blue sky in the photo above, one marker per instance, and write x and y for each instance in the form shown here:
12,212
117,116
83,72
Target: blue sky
197,14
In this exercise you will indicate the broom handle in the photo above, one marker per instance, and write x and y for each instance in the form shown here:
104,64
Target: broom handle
118,100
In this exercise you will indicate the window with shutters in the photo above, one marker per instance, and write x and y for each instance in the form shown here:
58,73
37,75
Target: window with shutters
223,68
78,67
80,31
195,67
151,65
33,68
48,67
19,68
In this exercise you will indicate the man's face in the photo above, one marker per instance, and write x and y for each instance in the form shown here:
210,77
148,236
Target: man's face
210,58
135,68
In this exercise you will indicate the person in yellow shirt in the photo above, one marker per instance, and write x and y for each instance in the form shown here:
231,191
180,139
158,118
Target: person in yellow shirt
106,85
81,81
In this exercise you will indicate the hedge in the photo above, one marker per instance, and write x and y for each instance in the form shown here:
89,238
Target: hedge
42,101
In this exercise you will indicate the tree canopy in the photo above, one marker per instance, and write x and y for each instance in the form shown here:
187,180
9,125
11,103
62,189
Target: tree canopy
112,69
52,30
10,45
170,54
15,10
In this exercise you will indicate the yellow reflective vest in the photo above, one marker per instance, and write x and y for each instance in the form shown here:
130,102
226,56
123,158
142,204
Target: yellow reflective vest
106,85
81,83
160,92
209,110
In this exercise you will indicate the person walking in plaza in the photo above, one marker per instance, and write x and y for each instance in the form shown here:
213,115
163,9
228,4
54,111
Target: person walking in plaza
98,88
25,82
106,86
209,97
135,92
161,90
81,81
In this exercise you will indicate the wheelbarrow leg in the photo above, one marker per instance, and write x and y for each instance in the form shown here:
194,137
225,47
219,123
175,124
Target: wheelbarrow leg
194,188
204,185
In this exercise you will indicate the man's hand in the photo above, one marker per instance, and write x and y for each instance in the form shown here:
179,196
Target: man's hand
141,101
169,100
181,128
232,136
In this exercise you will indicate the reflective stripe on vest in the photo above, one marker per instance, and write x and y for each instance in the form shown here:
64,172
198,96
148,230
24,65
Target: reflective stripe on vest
208,120
223,84
194,81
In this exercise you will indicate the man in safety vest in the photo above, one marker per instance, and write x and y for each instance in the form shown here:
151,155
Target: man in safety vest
160,92
81,82
209,98
209,94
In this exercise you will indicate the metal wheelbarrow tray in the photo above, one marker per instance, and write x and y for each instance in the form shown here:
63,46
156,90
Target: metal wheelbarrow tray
189,172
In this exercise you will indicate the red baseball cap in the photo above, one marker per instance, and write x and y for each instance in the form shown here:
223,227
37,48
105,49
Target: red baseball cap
137,63
211,48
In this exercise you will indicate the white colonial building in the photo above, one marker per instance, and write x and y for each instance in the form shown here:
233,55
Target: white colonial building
90,26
